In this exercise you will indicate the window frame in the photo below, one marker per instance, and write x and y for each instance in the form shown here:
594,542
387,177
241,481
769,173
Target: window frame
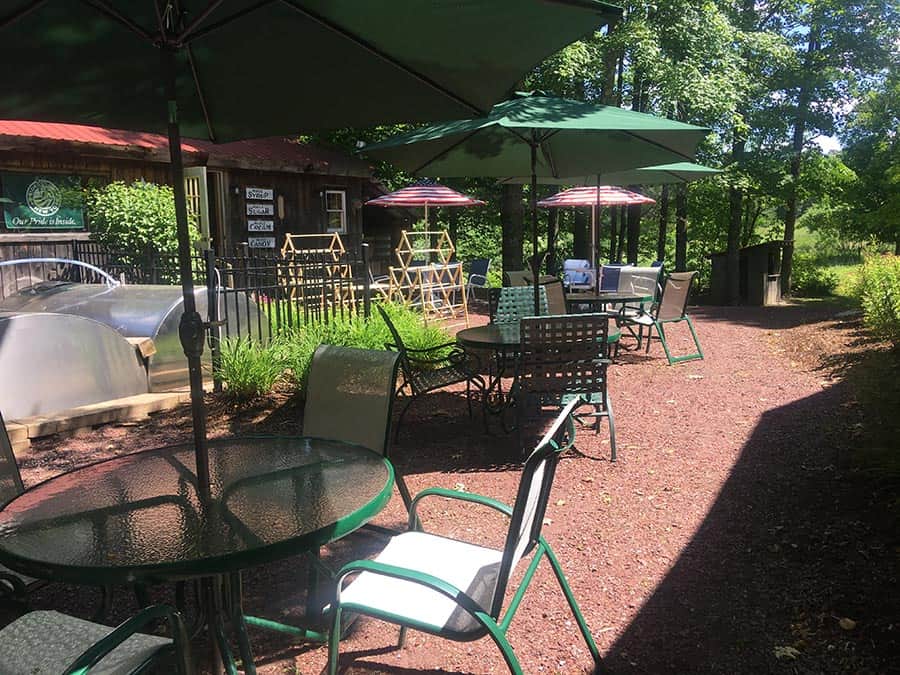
343,210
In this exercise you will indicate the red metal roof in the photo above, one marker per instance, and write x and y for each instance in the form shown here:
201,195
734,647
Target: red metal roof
275,153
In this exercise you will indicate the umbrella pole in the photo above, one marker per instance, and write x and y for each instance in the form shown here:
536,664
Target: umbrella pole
191,330
535,261
595,220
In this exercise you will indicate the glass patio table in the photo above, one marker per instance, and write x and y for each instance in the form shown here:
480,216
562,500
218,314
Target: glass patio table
138,518
503,340
599,301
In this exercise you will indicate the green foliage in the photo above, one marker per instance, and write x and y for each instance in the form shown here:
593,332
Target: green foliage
296,348
811,279
878,290
249,369
136,219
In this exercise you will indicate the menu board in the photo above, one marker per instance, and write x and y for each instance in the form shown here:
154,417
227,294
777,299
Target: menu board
259,202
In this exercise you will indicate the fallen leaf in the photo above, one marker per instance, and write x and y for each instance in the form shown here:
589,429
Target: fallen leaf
560,502
786,653
847,624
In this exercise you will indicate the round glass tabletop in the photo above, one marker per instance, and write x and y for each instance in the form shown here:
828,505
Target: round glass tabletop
138,517
504,336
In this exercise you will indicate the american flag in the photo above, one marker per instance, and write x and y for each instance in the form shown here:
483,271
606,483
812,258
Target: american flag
604,195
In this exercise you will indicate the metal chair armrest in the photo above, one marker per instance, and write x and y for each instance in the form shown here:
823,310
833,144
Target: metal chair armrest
93,655
455,494
473,277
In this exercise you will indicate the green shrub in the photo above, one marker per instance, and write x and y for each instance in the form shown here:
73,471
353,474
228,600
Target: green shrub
810,279
135,219
878,290
298,345
249,369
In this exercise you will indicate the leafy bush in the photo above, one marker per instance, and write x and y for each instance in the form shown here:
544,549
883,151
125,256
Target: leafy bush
810,279
297,347
878,290
249,369
135,219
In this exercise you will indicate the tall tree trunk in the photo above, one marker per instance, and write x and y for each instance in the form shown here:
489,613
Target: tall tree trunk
552,235
581,241
681,229
512,215
735,199
790,216
662,237
610,59
634,233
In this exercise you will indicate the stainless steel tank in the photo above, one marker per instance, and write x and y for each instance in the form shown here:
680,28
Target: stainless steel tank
136,311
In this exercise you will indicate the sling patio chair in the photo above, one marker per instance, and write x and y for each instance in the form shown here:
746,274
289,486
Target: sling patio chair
671,308
556,296
564,358
350,398
51,643
11,583
478,276
455,589
426,370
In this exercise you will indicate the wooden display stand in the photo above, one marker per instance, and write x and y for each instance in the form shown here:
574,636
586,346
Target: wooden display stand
308,252
438,288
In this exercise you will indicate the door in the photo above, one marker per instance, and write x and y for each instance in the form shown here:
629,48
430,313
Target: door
198,202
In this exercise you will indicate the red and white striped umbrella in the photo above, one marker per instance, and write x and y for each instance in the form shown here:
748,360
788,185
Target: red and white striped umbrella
603,195
425,194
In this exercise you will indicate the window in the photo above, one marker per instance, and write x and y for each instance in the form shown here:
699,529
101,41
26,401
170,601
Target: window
335,211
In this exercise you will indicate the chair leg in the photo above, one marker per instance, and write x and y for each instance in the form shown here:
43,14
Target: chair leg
573,605
662,338
334,642
400,417
612,426
694,335
403,490
401,639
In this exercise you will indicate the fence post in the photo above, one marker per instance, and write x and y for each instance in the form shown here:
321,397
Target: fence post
367,287
212,304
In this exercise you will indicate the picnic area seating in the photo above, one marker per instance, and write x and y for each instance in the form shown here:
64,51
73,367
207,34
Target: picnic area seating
49,643
350,398
515,302
671,308
11,583
478,276
562,358
455,589
430,369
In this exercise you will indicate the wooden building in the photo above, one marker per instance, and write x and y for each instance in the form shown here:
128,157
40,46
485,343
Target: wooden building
249,192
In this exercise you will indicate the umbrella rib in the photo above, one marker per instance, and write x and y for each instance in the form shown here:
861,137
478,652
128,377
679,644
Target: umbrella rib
196,77
193,33
658,145
210,8
23,11
113,14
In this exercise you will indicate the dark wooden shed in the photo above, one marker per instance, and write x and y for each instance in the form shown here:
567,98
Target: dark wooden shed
760,275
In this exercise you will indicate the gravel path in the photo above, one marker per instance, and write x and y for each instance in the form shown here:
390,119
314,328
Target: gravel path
727,538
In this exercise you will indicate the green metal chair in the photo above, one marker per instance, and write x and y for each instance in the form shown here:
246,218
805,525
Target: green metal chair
427,370
51,643
515,302
350,398
455,589
11,583
562,358
671,308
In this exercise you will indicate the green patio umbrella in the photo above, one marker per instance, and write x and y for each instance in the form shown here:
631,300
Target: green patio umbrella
228,69
544,137
661,174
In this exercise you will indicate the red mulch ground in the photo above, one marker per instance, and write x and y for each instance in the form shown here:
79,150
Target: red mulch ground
730,536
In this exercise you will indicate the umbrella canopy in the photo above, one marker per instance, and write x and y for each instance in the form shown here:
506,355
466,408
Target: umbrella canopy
424,194
228,70
541,136
604,195
661,174
595,196
248,68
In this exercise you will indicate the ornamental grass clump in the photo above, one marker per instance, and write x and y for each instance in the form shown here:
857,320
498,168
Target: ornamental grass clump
878,291
249,369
